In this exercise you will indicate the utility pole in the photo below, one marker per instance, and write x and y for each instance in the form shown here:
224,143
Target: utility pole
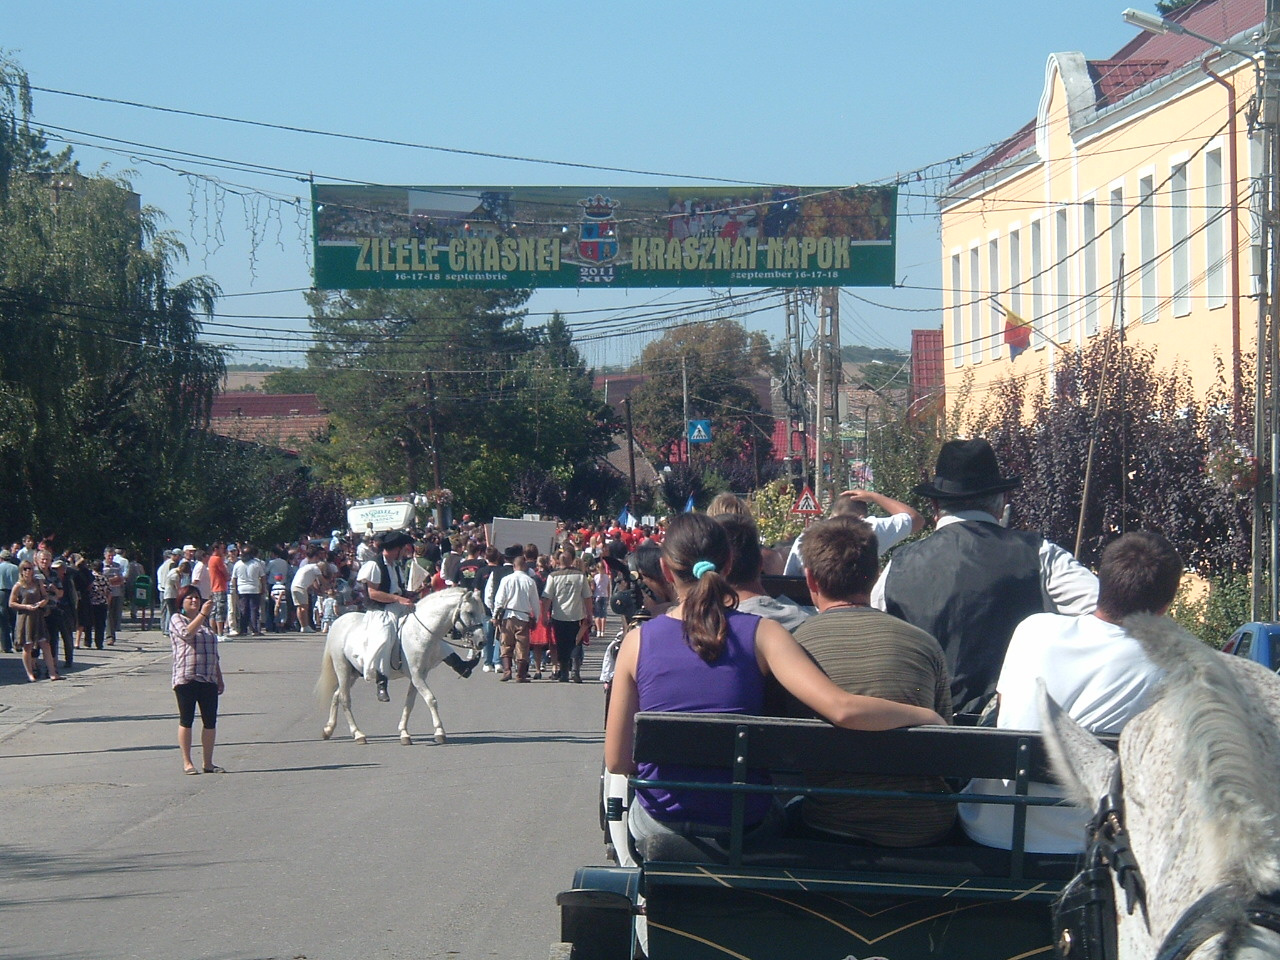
631,452
793,391
435,446
684,381
1266,426
827,418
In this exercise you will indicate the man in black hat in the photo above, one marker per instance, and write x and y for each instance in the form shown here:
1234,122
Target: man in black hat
972,581
389,600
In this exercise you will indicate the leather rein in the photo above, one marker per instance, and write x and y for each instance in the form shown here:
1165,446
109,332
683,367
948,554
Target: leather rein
460,632
1092,933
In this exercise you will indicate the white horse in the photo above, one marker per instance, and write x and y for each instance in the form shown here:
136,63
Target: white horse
439,624
1199,776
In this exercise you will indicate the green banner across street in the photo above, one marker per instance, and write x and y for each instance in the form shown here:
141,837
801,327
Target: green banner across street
528,237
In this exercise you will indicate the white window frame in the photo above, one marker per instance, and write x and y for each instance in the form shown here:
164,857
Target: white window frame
1148,244
957,313
1217,213
1117,221
1037,283
1180,234
1089,266
975,303
1062,275
993,287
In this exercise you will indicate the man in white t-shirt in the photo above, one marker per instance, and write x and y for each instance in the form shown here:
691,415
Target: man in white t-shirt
246,581
902,521
304,581
1092,668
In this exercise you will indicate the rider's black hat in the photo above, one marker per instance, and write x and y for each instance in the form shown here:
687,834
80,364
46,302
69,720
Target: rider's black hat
395,539
966,468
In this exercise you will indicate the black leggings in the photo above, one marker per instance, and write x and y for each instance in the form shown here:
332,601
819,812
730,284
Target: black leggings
193,693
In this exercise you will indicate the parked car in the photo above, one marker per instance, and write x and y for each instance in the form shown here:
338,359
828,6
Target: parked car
1259,642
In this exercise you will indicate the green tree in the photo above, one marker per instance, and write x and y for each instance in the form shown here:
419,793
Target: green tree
1153,442
714,357
409,376
105,385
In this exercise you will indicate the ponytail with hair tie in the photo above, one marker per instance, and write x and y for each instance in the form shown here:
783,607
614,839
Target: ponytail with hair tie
702,567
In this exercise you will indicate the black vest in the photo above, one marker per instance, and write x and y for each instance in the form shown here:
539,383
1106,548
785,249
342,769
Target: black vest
384,583
968,584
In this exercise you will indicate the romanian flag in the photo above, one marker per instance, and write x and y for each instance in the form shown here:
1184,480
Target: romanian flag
1017,332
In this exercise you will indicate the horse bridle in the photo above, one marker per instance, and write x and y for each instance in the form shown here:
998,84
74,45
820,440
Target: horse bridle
460,632
1084,915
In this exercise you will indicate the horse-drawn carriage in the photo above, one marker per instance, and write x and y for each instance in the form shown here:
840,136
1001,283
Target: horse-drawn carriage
792,898
1182,858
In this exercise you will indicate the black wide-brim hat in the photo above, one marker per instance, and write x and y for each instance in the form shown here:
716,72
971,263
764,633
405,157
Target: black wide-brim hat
394,539
966,468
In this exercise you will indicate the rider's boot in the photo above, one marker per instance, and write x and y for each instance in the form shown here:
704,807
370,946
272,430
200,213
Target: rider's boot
461,667
383,696
506,669
522,671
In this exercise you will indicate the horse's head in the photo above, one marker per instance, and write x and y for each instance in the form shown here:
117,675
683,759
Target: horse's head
1190,801
468,619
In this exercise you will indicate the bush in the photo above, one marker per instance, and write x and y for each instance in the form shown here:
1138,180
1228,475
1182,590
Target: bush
1214,614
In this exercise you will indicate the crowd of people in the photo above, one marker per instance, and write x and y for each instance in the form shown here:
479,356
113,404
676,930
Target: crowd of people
964,620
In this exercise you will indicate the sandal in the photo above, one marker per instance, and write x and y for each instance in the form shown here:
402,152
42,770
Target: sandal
214,769
58,677
191,771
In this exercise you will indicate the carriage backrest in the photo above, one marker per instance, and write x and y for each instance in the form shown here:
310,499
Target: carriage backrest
780,745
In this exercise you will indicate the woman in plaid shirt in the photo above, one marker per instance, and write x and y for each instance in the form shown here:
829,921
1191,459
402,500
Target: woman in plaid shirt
197,676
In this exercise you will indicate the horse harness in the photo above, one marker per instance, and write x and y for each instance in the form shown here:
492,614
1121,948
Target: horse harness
1084,916
459,630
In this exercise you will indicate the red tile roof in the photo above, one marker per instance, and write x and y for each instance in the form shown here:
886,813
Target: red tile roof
1145,58
287,421
250,404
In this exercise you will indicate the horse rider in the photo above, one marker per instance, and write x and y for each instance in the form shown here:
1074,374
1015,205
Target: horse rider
388,601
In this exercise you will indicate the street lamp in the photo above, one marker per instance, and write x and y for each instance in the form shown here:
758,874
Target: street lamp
1159,26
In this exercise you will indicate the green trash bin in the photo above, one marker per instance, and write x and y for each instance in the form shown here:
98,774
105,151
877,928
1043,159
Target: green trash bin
142,599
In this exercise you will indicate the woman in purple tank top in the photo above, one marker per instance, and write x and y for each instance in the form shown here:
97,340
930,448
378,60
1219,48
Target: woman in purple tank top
703,656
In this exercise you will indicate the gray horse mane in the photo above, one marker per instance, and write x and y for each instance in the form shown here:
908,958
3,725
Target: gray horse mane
1225,759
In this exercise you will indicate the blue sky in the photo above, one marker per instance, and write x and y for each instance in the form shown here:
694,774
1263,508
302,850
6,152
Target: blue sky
816,93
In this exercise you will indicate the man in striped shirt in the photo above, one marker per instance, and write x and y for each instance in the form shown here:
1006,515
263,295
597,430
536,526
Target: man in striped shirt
868,652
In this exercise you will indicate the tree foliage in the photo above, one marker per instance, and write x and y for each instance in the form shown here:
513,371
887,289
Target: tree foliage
105,385
409,376
1153,438
715,357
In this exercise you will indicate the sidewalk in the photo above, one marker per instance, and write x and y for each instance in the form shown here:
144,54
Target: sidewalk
23,702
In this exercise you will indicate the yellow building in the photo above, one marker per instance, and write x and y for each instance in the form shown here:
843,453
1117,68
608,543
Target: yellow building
1119,196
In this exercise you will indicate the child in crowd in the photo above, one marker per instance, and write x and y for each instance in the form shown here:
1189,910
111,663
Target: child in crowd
280,602
328,610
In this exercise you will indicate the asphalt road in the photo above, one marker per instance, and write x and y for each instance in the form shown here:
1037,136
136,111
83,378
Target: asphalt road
305,849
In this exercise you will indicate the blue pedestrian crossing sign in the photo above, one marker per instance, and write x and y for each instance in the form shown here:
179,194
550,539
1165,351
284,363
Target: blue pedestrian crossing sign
699,431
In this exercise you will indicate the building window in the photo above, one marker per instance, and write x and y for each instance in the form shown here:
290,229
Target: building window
993,282
957,319
975,306
1216,213
1179,224
1015,272
1089,231
1037,285
1062,279
1117,245
1150,307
